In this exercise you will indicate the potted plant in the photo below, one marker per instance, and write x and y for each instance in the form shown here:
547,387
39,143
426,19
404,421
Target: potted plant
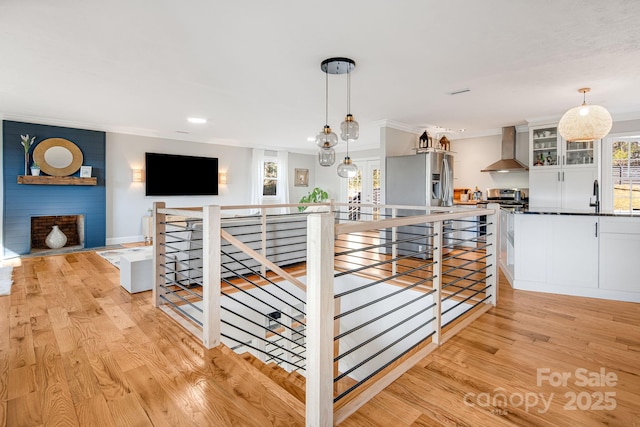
35,169
317,195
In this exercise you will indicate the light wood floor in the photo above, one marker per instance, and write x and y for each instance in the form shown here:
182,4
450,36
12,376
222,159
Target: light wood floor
76,349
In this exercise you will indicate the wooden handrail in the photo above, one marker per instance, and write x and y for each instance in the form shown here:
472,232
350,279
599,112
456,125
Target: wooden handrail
260,258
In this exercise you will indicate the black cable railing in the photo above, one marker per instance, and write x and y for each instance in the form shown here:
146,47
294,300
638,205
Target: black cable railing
253,322
462,271
281,360
262,277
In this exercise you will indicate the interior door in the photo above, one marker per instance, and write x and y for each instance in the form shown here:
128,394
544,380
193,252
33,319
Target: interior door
364,189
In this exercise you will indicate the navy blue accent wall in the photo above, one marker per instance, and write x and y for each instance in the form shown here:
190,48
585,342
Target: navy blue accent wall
21,202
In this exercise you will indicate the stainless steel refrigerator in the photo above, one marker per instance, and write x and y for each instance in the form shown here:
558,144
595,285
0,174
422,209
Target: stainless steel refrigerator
424,179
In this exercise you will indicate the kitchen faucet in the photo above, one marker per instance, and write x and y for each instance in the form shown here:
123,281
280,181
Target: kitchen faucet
596,192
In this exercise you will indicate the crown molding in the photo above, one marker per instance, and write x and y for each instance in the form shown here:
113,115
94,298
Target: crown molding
479,133
623,117
121,130
398,126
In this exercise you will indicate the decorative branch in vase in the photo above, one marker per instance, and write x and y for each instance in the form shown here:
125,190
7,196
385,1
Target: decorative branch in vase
26,143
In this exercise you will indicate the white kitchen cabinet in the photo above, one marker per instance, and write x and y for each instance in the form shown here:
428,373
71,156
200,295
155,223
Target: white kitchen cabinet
545,189
572,251
561,173
506,257
585,255
619,249
577,188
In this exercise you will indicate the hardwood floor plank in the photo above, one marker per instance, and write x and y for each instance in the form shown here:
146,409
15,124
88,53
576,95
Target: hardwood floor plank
156,402
4,386
94,412
128,412
112,381
83,383
25,411
57,406
21,381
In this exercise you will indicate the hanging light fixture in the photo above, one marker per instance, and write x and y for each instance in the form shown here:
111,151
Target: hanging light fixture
586,122
326,139
347,169
349,128
326,156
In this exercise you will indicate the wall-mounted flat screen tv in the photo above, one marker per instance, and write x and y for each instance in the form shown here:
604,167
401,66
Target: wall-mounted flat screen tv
175,175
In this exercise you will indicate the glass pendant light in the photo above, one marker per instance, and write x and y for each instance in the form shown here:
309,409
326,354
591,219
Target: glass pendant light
585,122
347,169
349,128
326,138
326,156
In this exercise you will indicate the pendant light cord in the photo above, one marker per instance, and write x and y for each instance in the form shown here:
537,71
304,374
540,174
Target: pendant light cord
348,91
326,97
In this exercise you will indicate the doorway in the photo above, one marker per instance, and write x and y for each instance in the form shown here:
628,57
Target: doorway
364,189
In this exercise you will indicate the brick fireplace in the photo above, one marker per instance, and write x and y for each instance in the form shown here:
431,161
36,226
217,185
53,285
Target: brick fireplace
71,225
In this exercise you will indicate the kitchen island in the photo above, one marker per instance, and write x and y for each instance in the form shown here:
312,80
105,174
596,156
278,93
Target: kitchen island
580,253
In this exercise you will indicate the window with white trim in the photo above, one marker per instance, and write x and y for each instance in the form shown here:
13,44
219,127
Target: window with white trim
269,178
625,173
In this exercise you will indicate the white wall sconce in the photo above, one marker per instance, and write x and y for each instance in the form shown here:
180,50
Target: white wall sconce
222,177
136,175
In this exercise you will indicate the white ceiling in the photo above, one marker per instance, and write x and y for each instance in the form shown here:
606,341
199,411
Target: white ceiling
252,67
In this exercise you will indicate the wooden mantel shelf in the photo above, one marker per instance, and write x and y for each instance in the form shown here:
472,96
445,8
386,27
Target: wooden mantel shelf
56,180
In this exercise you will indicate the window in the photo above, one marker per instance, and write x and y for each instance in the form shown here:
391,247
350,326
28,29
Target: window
270,178
625,173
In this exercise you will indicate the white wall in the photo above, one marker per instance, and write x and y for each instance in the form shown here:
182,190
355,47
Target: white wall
126,202
301,161
473,154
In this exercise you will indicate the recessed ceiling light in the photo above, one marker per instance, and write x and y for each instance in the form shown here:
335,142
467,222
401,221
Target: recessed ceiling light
461,130
197,120
311,139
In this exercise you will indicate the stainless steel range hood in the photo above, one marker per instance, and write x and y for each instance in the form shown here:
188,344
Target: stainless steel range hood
508,163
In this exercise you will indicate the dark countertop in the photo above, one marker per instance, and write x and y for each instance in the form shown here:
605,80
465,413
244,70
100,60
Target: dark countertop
591,212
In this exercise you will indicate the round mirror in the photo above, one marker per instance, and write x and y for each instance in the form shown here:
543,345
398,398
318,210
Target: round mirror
58,157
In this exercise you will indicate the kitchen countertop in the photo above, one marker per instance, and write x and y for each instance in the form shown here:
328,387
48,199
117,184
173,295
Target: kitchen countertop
468,203
540,211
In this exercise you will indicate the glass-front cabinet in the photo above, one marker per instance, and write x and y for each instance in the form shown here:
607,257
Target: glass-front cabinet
561,173
545,146
579,153
550,151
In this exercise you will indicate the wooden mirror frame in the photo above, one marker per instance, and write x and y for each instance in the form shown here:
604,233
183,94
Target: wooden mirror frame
43,146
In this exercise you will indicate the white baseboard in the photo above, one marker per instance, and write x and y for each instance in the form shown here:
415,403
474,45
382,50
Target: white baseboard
128,239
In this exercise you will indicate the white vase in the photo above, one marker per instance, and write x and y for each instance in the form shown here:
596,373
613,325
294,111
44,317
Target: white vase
35,171
56,238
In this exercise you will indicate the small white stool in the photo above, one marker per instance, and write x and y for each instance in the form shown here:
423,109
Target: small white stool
136,272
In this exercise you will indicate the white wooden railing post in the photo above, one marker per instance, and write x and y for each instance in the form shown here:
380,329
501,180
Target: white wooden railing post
263,239
437,280
211,276
320,325
493,228
394,246
158,252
